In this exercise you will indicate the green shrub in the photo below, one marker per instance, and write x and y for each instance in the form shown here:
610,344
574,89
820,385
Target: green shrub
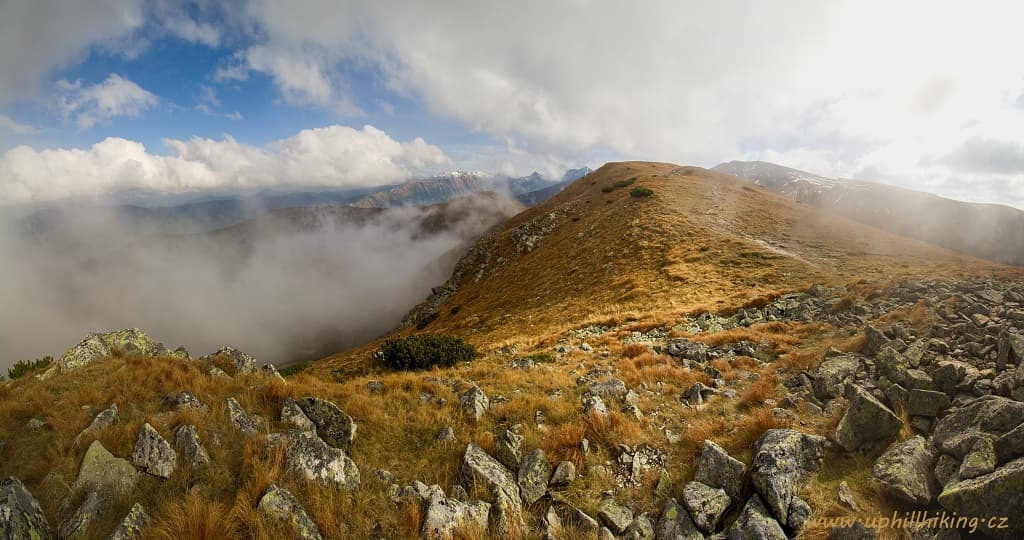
641,191
425,351
624,183
24,367
293,369
608,189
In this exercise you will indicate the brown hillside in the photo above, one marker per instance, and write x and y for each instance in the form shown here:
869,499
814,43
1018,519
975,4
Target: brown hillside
702,239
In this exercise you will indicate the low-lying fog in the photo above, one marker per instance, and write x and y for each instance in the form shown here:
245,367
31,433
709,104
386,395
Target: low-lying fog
294,284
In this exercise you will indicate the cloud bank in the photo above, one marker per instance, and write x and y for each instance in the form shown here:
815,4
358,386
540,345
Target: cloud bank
333,156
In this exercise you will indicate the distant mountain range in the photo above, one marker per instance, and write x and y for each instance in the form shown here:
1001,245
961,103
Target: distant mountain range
991,231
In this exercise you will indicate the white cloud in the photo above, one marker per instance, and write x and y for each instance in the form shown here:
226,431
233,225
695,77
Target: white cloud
115,96
334,156
684,81
38,36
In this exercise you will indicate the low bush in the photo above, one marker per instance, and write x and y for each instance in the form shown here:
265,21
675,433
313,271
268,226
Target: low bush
425,351
24,367
425,320
641,191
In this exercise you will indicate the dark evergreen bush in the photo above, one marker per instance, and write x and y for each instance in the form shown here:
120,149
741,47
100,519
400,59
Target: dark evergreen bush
24,367
425,351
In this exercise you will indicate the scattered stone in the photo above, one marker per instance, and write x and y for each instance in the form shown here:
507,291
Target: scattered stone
104,473
594,406
474,403
508,447
866,420
186,440
609,388
1010,445
448,519
506,515
905,470
947,470
316,460
247,424
697,394
332,425
641,529
131,526
980,460
584,522
271,371
445,434
21,517
926,402
846,497
375,387
616,516
534,473
243,363
565,474
153,453
676,524
857,531
707,505
77,524
105,418
833,374
756,522
1000,493
218,373
716,468
990,416
185,400
278,504
479,467
35,424
782,461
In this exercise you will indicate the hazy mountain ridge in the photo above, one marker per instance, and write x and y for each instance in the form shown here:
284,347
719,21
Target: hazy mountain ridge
990,231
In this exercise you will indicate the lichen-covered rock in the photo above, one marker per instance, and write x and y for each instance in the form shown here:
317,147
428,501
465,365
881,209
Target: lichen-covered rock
506,517
292,415
1000,493
474,402
77,524
318,461
594,406
21,517
857,531
479,467
990,416
104,473
616,516
246,423
534,473
271,371
508,448
980,460
153,453
783,460
756,523
641,529
186,440
1011,445
676,524
905,470
947,470
716,468
707,505
866,420
278,504
242,362
609,388
332,425
446,518
185,400
100,346
565,474
926,402
105,418
131,526
833,374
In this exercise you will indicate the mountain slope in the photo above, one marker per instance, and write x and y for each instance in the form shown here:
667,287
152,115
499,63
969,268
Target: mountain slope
990,231
702,239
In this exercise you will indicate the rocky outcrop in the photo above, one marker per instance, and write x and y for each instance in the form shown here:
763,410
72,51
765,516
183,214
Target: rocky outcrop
280,505
102,472
333,426
783,460
474,403
716,468
318,461
534,473
448,519
186,440
988,416
246,423
185,400
293,416
676,524
707,505
131,526
866,420
21,517
1000,493
104,419
905,470
78,523
243,363
756,523
100,346
153,453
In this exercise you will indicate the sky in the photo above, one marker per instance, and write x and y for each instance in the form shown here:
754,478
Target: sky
108,96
